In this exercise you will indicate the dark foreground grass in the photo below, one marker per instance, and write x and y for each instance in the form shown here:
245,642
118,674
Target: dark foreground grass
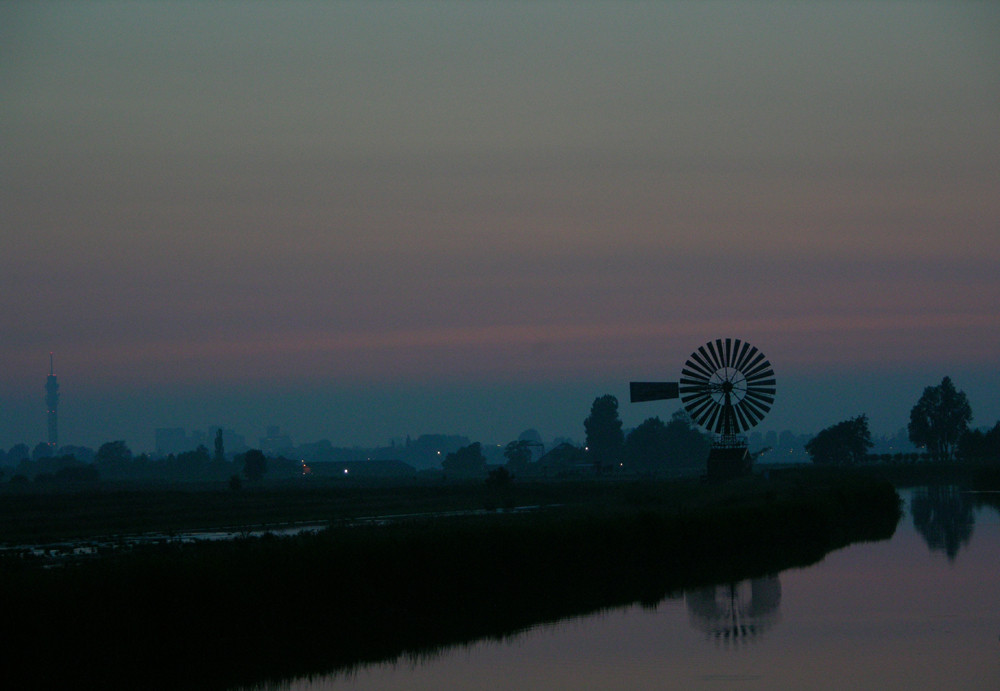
224,614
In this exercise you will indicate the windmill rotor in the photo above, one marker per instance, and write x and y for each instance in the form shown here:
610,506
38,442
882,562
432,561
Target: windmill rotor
727,386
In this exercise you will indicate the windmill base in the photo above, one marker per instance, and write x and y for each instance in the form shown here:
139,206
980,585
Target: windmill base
728,462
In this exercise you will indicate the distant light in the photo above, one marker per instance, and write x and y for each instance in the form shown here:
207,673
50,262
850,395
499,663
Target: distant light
346,471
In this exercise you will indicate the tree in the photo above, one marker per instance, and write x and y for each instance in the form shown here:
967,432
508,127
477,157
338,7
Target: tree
18,453
689,446
977,446
562,458
939,419
518,454
254,465
192,463
114,459
654,446
845,443
604,432
113,453
467,461
646,447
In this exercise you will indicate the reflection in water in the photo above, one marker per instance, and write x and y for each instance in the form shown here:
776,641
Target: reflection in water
944,516
735,613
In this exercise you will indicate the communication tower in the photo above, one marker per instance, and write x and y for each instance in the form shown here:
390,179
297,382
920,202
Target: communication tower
51,404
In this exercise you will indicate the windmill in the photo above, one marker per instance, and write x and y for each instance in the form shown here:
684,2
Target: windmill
726,386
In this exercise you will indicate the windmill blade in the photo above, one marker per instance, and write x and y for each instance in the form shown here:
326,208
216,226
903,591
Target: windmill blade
762,379
702,360
652,390
701,410
747,356
713,418
753,411
715,354
753,362
729,352
760,400
760,392
700,384
720,349
742,417
694,369
745,352
694,404
761,370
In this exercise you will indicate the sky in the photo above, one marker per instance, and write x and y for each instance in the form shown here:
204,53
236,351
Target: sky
362,220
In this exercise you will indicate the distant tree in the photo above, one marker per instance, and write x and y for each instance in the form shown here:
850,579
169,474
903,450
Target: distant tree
518,455
654,446
18,453
254,465
646,447
604,432
220,449
689,446
192,463
939,419
113,453
41,450
235,483
845,443
77,472
83,454
977,446
467,461
561,458
499,478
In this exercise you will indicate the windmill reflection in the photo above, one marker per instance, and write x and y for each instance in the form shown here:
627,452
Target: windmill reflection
733,614
944,516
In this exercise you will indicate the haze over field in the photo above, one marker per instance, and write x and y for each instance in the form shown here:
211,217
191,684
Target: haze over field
361,220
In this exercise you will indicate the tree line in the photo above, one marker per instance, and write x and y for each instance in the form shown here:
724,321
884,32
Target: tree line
939,424
652,448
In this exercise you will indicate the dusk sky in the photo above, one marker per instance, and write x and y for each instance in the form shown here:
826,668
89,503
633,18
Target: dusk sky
362,220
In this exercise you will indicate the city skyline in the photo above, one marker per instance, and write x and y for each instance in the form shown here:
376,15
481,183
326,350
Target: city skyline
364,220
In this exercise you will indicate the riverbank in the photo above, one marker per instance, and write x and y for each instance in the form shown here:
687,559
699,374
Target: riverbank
216,615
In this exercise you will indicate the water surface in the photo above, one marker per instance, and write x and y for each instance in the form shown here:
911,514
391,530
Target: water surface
921,610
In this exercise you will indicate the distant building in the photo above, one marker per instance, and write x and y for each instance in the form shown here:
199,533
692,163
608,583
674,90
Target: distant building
171,440
51,405
276,441
175,440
